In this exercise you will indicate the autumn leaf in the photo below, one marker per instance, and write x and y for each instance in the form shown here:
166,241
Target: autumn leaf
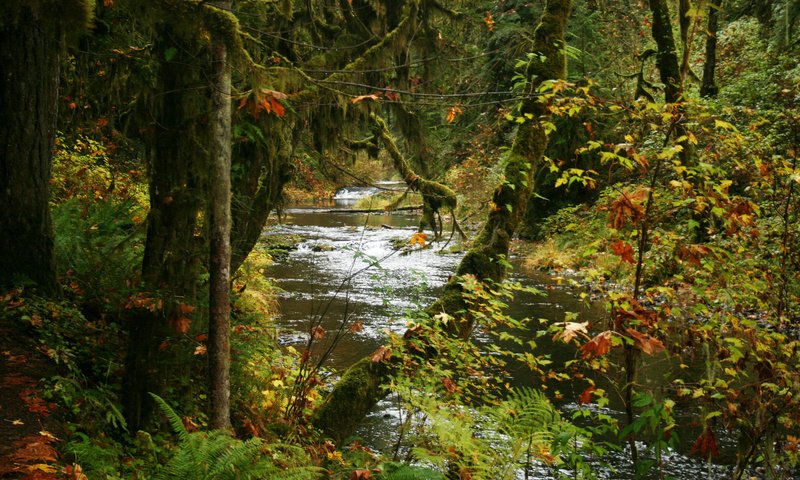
185,309
382,353
75,472
489,21
645,343
586,395
318,333
627,207
182,324
361,475
571,330
277,107
706,444
18,422
598,346
449,385
356,327
624,250
373,97
418,238
453,113
201,349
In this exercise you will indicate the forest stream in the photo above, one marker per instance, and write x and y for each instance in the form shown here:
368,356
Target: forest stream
337,243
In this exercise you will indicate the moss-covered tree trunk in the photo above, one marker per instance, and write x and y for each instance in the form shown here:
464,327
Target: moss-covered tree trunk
360,387
667,56
709,86
175,247
31,43
219,305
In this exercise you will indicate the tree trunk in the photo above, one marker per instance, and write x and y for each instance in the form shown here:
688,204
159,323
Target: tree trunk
29,77
667,56
709,85
361,386
219,322
174,249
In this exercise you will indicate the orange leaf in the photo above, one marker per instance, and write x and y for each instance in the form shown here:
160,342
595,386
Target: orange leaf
201,350
453,112
598,346
277,107
108,3
182,324
373,97
318,333
624,250
418,239
185,308
489,21
361,475
586,395
627,207
356,327
381,354
645,342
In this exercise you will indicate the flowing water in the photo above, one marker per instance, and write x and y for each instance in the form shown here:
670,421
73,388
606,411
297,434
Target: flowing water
346,269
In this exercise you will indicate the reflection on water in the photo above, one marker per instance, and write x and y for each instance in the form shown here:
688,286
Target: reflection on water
346,269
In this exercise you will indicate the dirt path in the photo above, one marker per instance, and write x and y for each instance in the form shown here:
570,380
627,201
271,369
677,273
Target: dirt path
28,425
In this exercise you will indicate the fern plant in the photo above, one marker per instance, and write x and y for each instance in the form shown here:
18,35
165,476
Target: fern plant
216,455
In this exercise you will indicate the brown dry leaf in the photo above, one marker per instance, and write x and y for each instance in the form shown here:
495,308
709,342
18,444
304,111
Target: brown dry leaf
572,330
645,343
185,308
627,207
201,350
318,333
182,324
449,385
381,354
356,327
624,250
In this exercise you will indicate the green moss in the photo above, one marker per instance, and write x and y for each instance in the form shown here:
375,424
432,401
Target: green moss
355,394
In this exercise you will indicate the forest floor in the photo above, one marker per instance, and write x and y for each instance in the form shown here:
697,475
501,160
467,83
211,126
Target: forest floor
28,424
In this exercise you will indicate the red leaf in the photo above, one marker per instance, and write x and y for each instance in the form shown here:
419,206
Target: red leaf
489,21
598,346
706,444
277,107
586,395
624,250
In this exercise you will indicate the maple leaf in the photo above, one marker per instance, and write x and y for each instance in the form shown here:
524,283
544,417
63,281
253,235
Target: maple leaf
356,327
185,309
627,207
418,238
693,253
624,250
645,343
373,97
571,330
318,333
598,346
381,354
586,395
201,350
277,107
453,113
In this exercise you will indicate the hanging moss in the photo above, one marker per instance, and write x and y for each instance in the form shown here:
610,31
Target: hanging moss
352,398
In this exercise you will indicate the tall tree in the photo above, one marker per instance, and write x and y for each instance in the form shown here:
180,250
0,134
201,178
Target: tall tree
219,348
709,86
32,39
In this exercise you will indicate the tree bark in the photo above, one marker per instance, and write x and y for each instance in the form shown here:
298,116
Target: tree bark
219,348
30,48
361,386
667,56
709,86
175,251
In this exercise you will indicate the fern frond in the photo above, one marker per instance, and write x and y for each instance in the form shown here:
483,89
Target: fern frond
174,420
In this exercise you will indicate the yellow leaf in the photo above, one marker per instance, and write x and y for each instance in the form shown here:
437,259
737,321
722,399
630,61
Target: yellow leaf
18,422
42,467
